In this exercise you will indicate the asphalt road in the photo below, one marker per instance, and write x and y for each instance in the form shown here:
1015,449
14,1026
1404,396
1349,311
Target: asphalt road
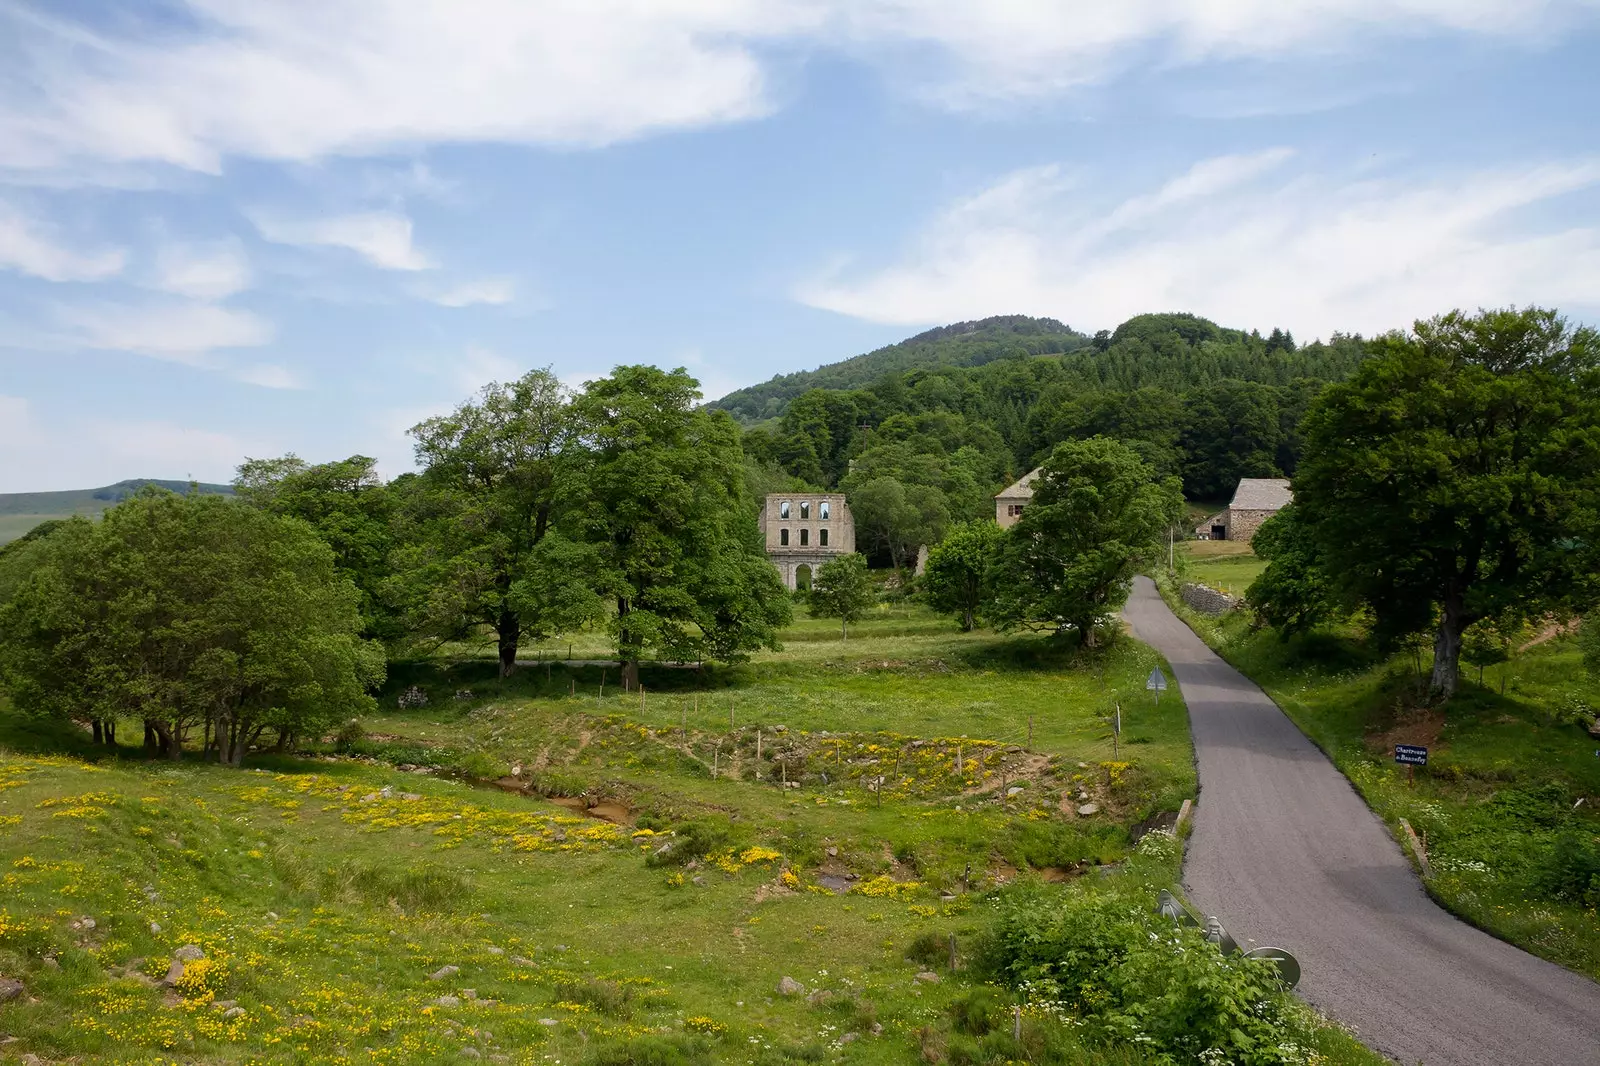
1285,852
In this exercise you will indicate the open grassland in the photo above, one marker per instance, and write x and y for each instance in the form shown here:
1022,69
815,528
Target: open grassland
1507,803
13,526
1226,565
632,877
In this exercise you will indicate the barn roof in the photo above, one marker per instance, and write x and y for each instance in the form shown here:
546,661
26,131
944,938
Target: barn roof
1262,494
1021,489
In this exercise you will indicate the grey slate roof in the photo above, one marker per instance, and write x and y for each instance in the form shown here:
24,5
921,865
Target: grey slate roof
1022,489
1261,494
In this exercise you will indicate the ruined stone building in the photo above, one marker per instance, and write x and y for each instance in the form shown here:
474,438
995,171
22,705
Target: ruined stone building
803,531
1010,501
1254,501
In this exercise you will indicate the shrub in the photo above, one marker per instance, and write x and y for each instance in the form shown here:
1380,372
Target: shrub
607,997
1544,805
652,1051
1570,870
978,1013
929,949
695,840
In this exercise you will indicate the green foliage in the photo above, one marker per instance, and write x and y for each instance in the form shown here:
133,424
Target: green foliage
1132,976
185,610
1570,869
662,508
897,520
653,1050
1097,515
1589,642
957,575
1231,430
1294,594
1457,474
841,589
351,510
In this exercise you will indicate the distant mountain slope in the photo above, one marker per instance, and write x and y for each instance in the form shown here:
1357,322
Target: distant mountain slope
961,344
21,511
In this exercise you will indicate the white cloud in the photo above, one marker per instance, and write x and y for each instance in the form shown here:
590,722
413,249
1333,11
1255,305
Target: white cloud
382,238
269,376
28,247
53,453
304,79
1310,253
204,272
180,332
492,291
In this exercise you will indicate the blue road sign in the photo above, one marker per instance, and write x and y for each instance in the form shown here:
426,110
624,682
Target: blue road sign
1411,754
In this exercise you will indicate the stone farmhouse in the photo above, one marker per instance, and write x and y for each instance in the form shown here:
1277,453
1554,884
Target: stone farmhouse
1010,501
1254,501
803,531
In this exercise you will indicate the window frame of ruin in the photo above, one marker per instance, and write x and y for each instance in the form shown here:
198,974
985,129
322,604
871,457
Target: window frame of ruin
822,538
783,508
783,538
805,510
822,511
805,537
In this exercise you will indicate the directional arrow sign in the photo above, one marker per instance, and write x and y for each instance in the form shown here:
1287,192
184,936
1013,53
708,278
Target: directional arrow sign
1157,681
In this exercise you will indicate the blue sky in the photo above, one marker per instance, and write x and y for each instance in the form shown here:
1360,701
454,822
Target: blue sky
247,227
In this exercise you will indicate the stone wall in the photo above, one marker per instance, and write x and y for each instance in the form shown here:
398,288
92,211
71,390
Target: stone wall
1207,600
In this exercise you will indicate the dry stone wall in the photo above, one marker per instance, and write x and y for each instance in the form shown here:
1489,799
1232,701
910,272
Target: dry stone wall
1207,600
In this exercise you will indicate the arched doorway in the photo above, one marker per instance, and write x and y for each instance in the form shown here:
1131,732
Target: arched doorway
802,576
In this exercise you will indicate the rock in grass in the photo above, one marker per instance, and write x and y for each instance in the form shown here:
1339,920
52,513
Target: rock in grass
444,971
790,987
189,953
9,989
1088,808
447,1001
233,1012
927,977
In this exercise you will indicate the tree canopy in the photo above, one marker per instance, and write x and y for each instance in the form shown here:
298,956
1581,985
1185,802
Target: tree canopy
842,590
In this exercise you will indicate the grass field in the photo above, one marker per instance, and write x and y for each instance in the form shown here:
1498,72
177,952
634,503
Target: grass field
1507,803
324,889
1226,565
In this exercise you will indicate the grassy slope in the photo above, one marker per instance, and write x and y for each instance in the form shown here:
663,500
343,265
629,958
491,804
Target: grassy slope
325,904
1224,564
1504,769
21,511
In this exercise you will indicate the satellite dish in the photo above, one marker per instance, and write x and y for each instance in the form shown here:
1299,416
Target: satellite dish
1287,965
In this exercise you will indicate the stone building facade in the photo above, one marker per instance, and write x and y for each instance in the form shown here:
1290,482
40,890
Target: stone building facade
1254,501
1010,501
805,530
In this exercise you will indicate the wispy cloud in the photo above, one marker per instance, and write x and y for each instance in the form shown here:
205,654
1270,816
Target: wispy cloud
269,81
382,238
269,376
1313,253
203,271
179,332
31,247
492,291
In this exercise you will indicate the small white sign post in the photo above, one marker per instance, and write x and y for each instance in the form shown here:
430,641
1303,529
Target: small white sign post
1157,683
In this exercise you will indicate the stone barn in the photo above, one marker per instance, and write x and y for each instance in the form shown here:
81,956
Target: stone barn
1010,501
1254,501
803,531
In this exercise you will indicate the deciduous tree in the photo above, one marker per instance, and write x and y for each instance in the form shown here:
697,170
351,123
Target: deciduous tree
842,590
957,578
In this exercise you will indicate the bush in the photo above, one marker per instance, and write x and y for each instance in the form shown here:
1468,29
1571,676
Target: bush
1570,870
652,1051
1135,979
695,840
1546,805
929,949
607,997
978,1013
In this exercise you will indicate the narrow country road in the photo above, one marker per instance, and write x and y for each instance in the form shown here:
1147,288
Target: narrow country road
1286,853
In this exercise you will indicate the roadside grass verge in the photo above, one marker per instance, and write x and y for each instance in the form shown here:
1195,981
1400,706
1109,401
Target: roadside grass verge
1507,803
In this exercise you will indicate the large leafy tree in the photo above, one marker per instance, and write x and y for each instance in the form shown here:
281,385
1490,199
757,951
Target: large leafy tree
188,610
1097,515
898,519
1456,476
957,578
482,546
842,590
1231,430
662,510
1294,593
351,509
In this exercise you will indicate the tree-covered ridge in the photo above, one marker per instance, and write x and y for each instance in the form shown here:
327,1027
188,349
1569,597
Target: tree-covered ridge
1194,400
960,344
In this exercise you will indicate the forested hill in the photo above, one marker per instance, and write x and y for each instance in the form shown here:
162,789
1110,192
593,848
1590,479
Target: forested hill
961,344
1207,404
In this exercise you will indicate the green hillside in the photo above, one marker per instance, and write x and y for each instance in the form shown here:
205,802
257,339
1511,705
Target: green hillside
21,511
960,344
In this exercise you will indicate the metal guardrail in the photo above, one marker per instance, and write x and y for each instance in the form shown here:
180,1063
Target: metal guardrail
1171,905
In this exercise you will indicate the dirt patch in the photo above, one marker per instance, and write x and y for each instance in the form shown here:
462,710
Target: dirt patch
1419,727
1160,822
766,892
605,810
1058,874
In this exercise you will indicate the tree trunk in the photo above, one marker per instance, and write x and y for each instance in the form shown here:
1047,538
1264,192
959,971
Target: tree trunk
843,635
627,651
510,630
1447,648
967,621
111,732
167,738
99,737
152,740
630,675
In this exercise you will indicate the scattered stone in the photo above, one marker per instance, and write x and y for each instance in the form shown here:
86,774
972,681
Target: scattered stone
561,947
31,1059
386,792
411,797
469,993
224,1004
369,797
780,729
518,960
1014,749
877,1029
471,1053
1014,790
849,1038
85,924
790,987
549,1021
947,897
491,949
174,972
189,953
9,989
233,1012
516,771
272,915
833,853
447,1001
698,881
820,998
927,977
1083,766
1087,809
51,962
444,971
155,927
